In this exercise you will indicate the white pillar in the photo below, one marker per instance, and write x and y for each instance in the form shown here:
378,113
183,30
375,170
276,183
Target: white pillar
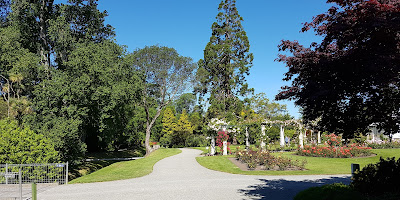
319,137
374,133
305,136
301,138
311,136
247,139
262,144
212,149
225,143
282,136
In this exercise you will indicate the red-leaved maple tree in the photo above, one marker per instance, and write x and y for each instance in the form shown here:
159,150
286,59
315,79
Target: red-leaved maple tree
351,78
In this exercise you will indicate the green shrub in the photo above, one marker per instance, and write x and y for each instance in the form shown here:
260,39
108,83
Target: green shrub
336,191
196,141
20,146
165,140
385,145
382,178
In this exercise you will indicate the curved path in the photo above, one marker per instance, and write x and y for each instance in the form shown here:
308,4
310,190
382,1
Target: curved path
181,177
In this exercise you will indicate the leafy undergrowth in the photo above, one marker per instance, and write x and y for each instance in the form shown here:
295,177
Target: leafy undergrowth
315,165
128,169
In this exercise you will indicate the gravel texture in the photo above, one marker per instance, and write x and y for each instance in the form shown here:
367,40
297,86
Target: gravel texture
181,177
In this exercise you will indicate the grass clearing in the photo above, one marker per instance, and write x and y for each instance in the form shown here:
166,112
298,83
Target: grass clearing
127,169
315,165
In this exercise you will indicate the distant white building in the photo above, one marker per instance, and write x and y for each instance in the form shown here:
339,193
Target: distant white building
396,136
375,136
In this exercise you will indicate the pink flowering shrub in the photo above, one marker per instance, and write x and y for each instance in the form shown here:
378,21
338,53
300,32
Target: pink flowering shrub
333,140
270,162
335,149
221,137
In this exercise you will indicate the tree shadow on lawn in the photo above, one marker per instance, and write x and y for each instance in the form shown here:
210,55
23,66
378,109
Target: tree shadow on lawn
286,189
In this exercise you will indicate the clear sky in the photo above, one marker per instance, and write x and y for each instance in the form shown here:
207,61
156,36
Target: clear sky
186,26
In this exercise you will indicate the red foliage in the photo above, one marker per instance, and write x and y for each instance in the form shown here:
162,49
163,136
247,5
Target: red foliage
350,79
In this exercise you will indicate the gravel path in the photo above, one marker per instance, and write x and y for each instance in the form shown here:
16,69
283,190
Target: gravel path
181,177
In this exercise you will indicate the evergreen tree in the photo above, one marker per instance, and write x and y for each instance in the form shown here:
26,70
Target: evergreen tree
184,123
183,130
168,121
226,62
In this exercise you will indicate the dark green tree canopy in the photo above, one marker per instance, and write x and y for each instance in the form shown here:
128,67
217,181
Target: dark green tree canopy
227,61
351,78
186,102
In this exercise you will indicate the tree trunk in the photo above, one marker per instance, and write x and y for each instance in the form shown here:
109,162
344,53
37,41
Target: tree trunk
147,139
149,125
44,15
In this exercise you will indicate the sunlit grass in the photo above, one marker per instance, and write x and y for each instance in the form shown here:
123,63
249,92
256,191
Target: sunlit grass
127,169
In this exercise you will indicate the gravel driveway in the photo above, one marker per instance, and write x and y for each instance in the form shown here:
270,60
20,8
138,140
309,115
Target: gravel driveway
181,177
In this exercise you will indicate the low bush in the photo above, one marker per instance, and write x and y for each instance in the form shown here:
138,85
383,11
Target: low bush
384,145
353,150
336,191
21,145
196,141
380,179
268,161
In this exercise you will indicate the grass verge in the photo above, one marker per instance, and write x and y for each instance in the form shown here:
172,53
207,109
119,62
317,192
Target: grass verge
127,169
315,165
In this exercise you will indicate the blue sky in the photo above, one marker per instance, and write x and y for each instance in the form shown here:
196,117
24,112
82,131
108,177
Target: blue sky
186,26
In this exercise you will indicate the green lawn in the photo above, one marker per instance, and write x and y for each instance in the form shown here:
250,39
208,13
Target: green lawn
315,165
85,168
127,169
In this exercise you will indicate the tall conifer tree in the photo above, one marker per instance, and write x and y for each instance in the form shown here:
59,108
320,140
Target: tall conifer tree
226,62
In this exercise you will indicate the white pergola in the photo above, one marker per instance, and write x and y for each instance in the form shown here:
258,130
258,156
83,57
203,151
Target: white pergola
297,123
217,125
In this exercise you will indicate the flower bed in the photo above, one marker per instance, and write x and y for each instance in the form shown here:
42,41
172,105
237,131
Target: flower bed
268,161
335,152
335,149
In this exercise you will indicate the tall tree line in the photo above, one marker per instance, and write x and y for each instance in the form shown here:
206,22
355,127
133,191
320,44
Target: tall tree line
63,76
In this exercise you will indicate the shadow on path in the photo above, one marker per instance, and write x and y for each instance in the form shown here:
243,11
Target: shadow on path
286,189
